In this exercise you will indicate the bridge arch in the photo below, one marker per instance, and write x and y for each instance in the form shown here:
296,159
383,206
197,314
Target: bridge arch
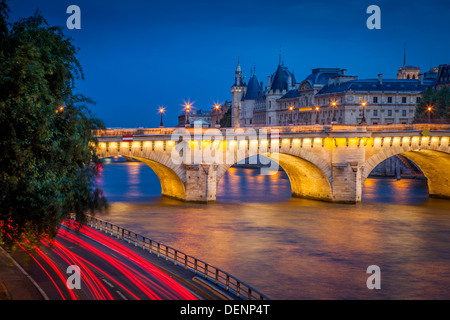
432,159
171,177
307,179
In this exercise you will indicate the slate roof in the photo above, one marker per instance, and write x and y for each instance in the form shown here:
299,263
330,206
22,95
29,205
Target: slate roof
253,89
280,78
294,93
321,75
444,74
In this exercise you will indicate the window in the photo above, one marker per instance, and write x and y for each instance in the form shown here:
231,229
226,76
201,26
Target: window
403,99
375,99
389,99
403,113
389,113
375,113
417,99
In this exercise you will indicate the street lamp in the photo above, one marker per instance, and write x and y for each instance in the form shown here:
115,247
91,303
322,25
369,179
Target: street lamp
291,109
188,108
161,111
363,120
317,114
217,107
429,109
333,104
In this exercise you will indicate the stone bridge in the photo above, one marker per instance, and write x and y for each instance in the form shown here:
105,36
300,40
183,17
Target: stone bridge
327,163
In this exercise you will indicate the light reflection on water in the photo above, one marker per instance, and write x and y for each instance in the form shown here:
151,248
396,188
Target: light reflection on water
294,248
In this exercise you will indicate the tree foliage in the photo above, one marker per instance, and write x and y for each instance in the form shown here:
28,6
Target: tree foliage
225,122
438,100
47,162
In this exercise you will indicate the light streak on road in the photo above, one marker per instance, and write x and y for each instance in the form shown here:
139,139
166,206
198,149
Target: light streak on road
102,260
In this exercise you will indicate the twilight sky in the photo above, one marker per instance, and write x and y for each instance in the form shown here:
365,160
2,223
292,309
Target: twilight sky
141,54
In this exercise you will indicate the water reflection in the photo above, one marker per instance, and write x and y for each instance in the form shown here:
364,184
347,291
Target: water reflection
295,248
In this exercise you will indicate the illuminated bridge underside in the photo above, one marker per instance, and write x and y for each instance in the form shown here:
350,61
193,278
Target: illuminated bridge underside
171,184
323,165
307,180
435,166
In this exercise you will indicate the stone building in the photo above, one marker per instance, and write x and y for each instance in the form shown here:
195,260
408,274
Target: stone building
252,104
327,96
195,115
443,78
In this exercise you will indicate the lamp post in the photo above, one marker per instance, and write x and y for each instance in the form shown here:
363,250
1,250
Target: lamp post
317,114
429,109
161,111
217,107
291,109
333,104
188,108
363,120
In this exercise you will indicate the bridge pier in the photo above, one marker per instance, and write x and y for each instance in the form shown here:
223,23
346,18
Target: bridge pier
201,183
347,182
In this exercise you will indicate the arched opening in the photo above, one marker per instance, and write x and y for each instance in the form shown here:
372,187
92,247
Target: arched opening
409,177
170,184
293,177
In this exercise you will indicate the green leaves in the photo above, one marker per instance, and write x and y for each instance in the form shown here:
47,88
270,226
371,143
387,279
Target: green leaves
47,166
438,100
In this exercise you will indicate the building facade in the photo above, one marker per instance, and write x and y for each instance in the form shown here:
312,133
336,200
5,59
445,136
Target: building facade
443,77
328,96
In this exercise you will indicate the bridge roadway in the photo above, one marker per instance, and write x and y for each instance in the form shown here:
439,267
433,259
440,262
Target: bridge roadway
327,163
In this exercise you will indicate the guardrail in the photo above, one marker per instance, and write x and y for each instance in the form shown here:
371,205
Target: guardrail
200,268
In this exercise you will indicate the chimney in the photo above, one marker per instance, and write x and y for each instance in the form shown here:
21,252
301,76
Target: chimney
269,82
262,87
421,78
289,82
344,72
380,78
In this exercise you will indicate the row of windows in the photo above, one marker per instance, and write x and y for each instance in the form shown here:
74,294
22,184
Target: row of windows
389,100
324,101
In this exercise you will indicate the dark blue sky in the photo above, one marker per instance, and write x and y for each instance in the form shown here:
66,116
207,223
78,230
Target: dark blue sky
140,54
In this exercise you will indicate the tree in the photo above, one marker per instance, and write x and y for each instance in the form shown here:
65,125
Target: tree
438,100
225,122
47,160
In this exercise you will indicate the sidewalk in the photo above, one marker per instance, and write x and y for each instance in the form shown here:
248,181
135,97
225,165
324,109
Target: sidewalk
14,282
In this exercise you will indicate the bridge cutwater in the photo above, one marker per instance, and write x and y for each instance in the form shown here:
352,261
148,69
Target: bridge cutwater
327,163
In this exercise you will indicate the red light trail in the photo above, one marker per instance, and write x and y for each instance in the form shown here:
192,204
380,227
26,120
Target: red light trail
125,272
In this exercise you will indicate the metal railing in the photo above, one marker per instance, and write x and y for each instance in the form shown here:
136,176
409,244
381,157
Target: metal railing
200,268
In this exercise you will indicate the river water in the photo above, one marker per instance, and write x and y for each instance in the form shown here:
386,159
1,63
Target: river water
290,248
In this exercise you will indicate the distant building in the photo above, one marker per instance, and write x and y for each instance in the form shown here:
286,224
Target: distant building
195,115
443,77
328,95
408,72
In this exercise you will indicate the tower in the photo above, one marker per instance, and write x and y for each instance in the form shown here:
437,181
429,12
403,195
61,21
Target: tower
407,72
237,92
